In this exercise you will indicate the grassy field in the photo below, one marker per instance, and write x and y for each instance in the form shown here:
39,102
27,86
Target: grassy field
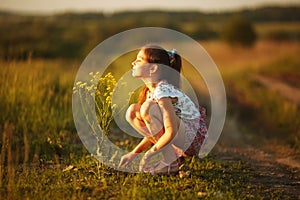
269,112
42,156
87,179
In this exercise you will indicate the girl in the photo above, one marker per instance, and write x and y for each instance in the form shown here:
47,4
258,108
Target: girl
164,115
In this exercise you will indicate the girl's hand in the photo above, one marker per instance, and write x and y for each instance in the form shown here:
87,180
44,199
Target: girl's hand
126,159
146,159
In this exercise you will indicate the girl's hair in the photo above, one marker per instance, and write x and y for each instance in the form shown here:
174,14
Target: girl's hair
169,66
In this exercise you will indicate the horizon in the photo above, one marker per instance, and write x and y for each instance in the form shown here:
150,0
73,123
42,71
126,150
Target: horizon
35,7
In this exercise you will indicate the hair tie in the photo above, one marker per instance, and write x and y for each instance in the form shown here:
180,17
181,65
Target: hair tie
171,54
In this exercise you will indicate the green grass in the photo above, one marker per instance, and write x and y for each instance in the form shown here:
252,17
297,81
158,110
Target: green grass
88,179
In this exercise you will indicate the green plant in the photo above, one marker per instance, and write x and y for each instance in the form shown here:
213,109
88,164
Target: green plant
95,97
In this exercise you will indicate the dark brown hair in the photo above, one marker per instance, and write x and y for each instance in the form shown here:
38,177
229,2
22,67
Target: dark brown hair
169,71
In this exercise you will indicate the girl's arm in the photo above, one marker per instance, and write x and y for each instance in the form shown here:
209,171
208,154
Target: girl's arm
171,123
144,144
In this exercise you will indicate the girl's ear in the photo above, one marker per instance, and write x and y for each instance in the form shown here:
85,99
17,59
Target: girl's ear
153,68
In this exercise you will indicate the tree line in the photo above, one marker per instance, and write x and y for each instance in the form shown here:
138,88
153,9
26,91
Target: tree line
73,35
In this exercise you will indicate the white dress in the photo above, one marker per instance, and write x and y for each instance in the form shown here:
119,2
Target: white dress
187,111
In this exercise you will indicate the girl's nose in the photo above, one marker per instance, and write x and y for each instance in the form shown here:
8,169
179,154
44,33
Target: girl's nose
133,63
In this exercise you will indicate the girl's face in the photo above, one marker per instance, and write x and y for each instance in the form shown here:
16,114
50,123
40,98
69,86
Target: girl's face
141,68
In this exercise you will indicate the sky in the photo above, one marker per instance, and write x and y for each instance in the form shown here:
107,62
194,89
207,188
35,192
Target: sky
59,6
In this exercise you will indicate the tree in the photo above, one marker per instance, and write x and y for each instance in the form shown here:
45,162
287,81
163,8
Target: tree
239,31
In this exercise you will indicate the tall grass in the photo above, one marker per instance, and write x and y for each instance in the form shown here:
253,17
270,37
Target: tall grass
36,102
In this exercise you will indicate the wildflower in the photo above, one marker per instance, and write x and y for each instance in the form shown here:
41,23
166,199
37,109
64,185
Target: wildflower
82,85
101,89
108,100
114,106
89,88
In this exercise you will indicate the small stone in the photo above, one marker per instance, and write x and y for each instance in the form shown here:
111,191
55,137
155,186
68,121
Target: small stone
202,194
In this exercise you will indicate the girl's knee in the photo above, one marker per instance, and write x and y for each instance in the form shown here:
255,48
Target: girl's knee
131,112
150,109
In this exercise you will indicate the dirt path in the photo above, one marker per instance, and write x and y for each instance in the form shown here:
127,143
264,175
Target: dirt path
265,170
272,166
283,89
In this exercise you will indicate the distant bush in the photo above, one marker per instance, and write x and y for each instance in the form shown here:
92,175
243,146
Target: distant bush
239,31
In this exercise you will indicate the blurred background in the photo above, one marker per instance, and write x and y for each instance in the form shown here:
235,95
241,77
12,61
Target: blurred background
256,46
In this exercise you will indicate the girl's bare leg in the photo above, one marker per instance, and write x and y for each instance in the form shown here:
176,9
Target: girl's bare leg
137,120
148,120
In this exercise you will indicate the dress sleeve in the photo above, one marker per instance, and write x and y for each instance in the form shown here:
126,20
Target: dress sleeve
164,90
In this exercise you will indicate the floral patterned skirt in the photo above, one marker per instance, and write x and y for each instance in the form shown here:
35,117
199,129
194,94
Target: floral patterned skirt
196,134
